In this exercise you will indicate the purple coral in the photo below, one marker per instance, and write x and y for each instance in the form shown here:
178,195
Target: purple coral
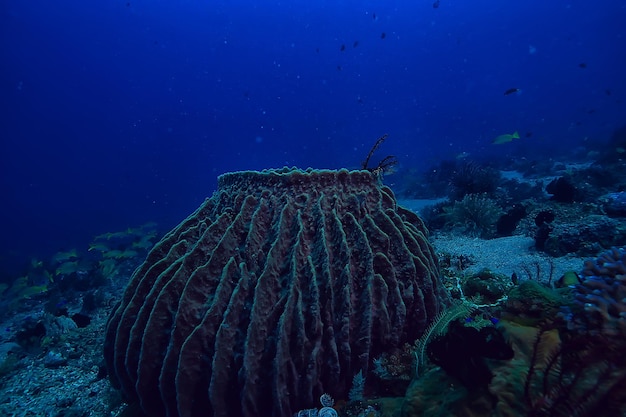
280,287
603,292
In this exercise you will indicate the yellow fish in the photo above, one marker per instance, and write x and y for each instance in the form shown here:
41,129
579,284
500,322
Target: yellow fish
61,257
113,254
142,244
99,246
67,268
128,253
108,267
505,138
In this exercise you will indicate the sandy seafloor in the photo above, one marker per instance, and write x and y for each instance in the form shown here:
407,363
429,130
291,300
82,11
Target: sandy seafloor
507,255
504,255
76,389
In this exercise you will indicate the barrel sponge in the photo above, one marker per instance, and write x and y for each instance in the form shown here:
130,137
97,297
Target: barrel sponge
279,288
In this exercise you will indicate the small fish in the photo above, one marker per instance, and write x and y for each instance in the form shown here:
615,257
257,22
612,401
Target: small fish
111,235
99,246
112,254
568,278
118,235
149,225
512,91
582,65
127,254
142,244
61,257
383,35
462,155
67,268
108,267
436,4
149,236
29,292
343,48
355,44
505,138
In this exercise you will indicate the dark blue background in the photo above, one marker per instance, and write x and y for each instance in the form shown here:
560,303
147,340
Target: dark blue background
117,113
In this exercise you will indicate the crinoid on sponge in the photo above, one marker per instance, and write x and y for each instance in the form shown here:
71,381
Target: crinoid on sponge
280,287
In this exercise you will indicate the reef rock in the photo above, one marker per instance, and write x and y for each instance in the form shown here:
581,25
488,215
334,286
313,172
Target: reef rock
280,287
614,204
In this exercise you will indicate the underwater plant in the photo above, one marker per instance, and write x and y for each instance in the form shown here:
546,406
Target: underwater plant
472,178
476,215
581,377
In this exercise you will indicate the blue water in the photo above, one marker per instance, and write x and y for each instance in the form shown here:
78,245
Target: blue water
116,113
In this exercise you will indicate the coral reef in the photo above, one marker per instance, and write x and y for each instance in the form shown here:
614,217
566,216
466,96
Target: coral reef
562,190
485,287
531,302
547,375
602,294
507,223
439,393
578,228
280,287
580,376
394,369
568,357
462,351
614,204
585,236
